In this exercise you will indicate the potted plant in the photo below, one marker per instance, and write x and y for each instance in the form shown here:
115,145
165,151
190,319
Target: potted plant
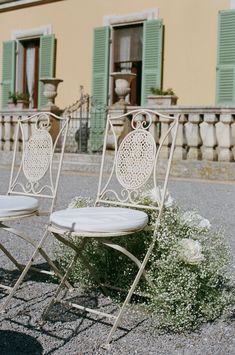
162,97
18,100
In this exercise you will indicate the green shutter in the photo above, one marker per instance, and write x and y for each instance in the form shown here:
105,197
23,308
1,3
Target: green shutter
46,64
100,79
152,57
8,70
225,78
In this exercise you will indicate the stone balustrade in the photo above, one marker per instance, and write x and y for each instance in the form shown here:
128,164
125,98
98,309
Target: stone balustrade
205,133
8,120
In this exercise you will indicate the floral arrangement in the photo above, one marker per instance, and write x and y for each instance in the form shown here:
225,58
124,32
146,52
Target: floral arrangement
158,91
189,267
18,96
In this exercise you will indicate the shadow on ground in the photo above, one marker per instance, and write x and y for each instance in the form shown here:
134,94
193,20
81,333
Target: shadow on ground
16,343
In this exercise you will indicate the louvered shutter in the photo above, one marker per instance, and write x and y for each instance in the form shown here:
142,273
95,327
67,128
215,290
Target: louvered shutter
225,80
100,77
152,57
46,64
8,71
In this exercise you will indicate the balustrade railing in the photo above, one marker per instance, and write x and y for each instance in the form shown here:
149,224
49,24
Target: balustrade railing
206,133
8,120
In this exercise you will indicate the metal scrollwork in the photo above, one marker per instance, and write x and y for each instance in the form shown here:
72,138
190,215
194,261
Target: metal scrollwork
141,120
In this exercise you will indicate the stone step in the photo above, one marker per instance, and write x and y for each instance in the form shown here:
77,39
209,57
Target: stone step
188,169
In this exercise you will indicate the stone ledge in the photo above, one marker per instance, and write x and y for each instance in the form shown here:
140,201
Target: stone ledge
195,169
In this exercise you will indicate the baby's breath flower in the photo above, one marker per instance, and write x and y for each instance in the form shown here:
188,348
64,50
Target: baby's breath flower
182,295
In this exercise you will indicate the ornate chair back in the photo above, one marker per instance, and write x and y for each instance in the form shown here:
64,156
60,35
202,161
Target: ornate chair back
35,171
136,158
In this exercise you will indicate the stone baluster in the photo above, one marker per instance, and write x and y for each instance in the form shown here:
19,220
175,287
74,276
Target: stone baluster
233,138
154,128
26,129
208,134
1,132
180,150
13,129
192,132
164,154
224,137
7,133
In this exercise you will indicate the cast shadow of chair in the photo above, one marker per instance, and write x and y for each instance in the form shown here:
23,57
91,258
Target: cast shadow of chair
17,343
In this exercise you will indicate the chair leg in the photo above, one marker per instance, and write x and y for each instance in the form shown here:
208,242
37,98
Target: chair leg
128,297
55,269
59,288
22,275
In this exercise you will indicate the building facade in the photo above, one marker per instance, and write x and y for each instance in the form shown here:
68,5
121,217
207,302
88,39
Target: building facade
187,45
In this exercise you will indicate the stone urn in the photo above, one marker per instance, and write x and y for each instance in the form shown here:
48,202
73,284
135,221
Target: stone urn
161,100
50,91
122,87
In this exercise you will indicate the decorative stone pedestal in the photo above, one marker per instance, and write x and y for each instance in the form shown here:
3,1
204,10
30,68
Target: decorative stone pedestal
50,92
122,127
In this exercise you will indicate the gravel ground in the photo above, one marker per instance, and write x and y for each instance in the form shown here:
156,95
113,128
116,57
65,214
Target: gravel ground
70,332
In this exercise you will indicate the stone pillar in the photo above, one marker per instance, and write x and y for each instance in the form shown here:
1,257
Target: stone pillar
192,132
208,134
180,150
224,137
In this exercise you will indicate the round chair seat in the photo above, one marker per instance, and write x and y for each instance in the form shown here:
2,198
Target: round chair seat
16,206
99,220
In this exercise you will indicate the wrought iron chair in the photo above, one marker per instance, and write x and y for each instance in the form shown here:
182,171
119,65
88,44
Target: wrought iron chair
33,183
134,165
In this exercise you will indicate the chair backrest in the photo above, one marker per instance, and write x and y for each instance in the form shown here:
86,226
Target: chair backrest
136,158
35,171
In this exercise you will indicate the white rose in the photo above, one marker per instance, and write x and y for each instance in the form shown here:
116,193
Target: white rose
195,220
190,251
156,195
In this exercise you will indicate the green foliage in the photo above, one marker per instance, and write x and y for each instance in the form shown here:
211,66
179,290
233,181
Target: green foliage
18,96
158,91
189,268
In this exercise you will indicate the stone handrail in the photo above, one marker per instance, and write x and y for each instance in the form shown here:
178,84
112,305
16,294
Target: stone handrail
205,133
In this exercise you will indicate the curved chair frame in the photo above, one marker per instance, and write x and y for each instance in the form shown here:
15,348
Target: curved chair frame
33,176
135,163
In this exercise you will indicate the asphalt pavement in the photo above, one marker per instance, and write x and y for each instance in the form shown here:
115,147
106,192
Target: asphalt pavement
69,332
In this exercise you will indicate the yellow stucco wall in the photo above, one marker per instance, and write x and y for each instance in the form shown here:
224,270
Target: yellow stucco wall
189,48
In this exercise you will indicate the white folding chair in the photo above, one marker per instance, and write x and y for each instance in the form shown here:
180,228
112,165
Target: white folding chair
135,164
33,183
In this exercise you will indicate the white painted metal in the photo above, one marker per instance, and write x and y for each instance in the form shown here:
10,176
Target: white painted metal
134,167
34,176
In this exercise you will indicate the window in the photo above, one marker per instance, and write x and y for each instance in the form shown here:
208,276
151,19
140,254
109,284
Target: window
225,71
136,47
25,61
27,65
127,57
